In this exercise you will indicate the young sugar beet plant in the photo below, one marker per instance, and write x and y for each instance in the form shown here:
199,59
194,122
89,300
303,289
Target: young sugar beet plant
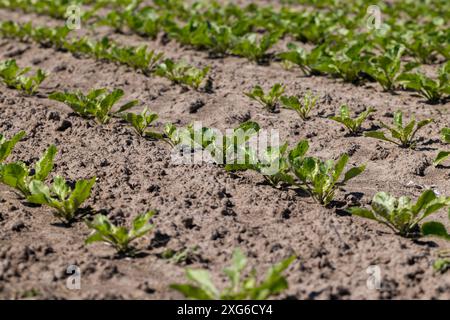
140,123
443,155
6,146
437,229
61,197
302,107
402,136
119,237
182,73
402,215
255,49
202,288
353,125
96,104
14,77
434,90
386,68
272,164
19,176
269,100
297,56
220,149
320,179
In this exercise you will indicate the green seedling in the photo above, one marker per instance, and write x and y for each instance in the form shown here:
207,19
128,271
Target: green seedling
6,146
144,22
253,48
271,164
97,104
140,123
14,77
119,237
202,288
181,256
441,265
269,100
436,229
433,90
180,72
353,125
17,175
320,179
297,56
402,215
61,196
307,62
443,155
302,107
386,69
220,149
139,58
402,136
346,63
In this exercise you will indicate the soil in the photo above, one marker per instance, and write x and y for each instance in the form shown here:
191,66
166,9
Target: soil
201,207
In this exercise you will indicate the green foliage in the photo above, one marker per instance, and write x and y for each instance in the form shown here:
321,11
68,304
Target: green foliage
180,256
220,149
144,22
139,58
6,146
55,8
320,178
353,125
346,62
17,175
255,48
307,62
140,123
401,215
202,288
386,68
442,265
402,136
302,107
216,38
272,164
14,77
97,103
171,134
443,155
269,100
182,73
436,229
119,237
61,196
433,90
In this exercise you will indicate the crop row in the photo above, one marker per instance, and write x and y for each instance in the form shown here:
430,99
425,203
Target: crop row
66,202
294,168
423,39
139,58
342,50
98,104
318,178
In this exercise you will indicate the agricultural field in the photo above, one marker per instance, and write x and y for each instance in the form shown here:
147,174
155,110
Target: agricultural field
123,123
